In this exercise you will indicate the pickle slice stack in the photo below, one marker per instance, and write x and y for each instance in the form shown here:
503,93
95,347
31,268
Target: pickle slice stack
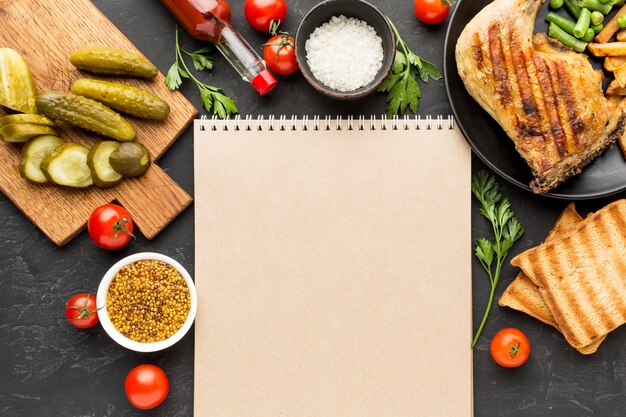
67,165
98,160
33,154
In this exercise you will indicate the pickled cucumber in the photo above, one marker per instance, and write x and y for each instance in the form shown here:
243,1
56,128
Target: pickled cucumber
22,132
123,98
105,60
86,113
130,159
33,154
36,119
67,165
98,160
17,88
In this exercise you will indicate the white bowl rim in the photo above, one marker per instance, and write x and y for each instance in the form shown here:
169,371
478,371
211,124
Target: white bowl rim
103,315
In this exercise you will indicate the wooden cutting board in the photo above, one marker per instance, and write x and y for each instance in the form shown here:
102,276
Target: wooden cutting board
46,32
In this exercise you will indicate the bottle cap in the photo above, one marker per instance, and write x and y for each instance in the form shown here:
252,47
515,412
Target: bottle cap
264,82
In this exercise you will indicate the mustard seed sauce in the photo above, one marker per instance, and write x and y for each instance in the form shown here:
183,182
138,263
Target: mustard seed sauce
148,301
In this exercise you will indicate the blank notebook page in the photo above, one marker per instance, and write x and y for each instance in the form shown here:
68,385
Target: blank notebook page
333,270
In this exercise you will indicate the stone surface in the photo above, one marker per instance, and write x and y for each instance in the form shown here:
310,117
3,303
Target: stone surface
50,368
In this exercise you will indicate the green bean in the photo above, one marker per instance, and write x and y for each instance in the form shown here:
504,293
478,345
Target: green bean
588,35
596,18
568,26
595,5
573,7
597,28
562,22
621,21
583,23
556,4
556,32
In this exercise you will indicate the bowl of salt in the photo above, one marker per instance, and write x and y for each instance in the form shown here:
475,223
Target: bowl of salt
345,48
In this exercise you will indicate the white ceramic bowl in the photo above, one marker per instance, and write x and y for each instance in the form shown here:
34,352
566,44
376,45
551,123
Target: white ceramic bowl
119,337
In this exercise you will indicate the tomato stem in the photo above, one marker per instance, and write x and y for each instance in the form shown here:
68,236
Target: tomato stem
274,24
84,312
119,227
283,42
515,350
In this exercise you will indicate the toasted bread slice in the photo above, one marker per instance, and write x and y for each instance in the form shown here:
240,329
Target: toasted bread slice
524,296
582,276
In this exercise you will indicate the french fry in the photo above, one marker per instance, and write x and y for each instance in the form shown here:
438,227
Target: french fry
611,63
621,36
610,28
607,49
614,89
620,76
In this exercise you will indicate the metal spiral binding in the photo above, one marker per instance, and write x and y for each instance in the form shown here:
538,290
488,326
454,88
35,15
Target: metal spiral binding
293,123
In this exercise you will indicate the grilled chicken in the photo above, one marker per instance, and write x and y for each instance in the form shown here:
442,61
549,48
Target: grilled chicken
547,98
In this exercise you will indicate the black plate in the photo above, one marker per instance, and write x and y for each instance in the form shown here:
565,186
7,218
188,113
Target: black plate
605,176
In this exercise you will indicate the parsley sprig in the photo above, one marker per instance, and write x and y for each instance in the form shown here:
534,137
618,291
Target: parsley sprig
213,98
401,83
506,229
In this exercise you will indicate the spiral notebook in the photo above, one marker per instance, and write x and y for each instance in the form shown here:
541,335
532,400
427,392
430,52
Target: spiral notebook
333,268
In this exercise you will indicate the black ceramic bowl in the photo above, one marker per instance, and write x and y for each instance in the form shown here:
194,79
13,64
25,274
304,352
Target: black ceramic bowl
358,9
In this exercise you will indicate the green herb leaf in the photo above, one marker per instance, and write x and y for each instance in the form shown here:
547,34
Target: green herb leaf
401,83
173,80
389,82
506,229
484,251
200,59
213,98
429,70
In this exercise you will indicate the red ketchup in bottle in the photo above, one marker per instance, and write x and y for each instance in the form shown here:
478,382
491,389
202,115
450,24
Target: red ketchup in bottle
209,20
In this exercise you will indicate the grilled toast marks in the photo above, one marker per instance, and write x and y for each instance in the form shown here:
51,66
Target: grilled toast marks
523,295
586,293
547,98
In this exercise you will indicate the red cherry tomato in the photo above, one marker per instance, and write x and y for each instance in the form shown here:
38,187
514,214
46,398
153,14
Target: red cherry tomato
279,54
81,311
146,386
510,348
260,13
431,11
110,227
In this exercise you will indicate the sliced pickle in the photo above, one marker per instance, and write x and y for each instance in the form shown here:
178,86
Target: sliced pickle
106,60
34,152
17,88
22,132
131,159
35,119
86,113
98,160
67,165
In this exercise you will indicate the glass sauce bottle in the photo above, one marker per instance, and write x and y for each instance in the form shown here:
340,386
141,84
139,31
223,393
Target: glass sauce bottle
209,20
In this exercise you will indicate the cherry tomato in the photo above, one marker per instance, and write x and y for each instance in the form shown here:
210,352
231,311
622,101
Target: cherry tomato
279,54
431,11
81,311
110,227
510,348
260,13
146,386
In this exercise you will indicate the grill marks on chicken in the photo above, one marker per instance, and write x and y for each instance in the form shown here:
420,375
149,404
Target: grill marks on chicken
546,97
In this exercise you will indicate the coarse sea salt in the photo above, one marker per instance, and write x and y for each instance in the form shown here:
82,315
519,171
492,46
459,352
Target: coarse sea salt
344,53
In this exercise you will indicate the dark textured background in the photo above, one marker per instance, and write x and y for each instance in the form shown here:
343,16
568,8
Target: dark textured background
51,369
